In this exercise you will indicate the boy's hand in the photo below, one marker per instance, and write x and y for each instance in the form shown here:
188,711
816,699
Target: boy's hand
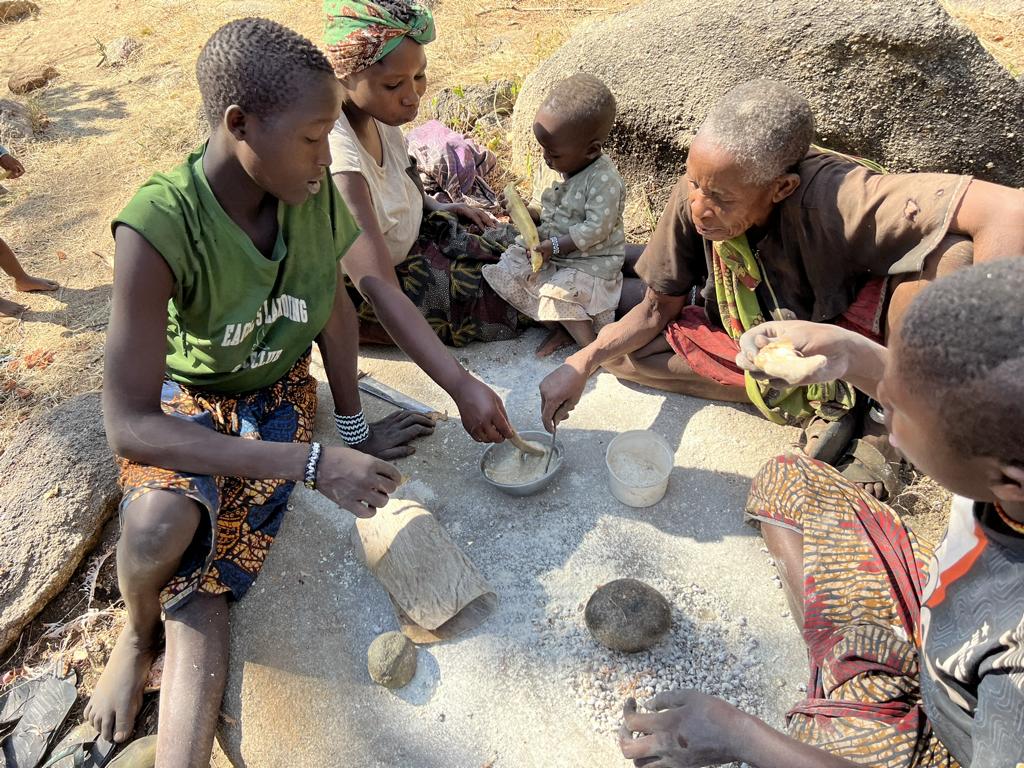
356,481
686,729
391,437
12,165
808,339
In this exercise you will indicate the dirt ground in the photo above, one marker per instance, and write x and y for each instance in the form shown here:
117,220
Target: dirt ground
102,131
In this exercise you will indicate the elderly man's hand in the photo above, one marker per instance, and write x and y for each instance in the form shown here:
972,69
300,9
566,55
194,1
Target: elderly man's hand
808,339
685,729
560,391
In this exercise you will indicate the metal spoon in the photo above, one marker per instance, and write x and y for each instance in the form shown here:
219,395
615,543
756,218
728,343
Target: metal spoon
551,452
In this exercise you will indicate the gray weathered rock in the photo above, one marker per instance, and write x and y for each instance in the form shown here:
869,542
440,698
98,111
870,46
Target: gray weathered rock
628,615
15,120
28,80
391,660
902,83
16,10
460,108
58,486
120,51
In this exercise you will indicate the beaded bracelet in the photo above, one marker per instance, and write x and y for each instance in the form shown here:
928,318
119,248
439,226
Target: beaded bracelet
353,429
556,247
309,477
4,150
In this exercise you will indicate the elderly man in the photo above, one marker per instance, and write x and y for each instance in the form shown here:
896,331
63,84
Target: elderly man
763,226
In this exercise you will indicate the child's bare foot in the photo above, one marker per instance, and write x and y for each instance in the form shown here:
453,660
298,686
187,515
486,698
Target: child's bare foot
118,695
556,339
11,309
28,284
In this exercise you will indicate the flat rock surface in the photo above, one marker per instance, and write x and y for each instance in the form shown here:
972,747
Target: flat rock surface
530,687
58,486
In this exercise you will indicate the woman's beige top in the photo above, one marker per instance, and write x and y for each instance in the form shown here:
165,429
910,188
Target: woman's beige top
397,200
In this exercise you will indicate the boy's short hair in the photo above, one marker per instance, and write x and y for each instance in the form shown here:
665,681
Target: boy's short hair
584,100
765,125
962,343
256,64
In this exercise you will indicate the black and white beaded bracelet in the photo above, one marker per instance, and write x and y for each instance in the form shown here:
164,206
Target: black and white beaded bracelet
309,476
353,429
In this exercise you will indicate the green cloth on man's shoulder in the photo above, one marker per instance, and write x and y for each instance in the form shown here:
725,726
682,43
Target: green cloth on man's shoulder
239,320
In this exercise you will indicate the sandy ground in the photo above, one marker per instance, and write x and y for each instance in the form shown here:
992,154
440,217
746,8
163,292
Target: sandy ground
520,690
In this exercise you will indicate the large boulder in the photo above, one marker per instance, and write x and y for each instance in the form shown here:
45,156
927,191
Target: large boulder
902,83
58,486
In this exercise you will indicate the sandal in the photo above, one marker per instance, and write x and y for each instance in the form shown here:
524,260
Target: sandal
41,706
141,753
825,440
83,747
864,463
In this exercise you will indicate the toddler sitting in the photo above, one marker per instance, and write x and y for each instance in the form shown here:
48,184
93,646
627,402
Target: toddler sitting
579,216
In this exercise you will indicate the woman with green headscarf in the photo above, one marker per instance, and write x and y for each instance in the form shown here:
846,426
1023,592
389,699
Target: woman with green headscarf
415,279
419,245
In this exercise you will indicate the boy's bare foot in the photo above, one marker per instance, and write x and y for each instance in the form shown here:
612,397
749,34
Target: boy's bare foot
118,695
28,284
11,309
556,339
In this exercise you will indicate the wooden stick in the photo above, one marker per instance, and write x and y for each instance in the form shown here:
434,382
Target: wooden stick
526,446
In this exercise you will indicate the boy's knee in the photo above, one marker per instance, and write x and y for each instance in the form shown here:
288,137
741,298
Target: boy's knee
159,526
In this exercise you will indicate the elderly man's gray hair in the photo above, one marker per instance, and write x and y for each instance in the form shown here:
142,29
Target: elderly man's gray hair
765,125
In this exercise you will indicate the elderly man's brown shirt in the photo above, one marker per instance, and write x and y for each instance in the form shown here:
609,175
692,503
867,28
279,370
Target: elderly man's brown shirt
842,226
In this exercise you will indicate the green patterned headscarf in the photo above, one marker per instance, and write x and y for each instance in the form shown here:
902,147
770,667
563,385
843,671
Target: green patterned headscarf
360,33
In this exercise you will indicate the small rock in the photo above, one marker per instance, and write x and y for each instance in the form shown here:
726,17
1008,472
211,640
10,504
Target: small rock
15,120
31,79
391,660
120,51
16,10
628,615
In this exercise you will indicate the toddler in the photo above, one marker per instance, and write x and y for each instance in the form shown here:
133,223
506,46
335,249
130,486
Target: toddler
579,215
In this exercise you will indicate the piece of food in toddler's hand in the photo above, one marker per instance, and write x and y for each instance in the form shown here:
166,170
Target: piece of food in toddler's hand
524,223
780,360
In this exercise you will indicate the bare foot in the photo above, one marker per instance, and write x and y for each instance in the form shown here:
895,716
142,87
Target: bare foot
118,695
28,284
556,339
11,309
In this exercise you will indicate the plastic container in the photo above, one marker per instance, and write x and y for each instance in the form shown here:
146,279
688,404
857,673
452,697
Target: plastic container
639,464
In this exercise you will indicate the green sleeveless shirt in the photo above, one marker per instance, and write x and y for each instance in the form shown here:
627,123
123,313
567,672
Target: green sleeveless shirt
238,320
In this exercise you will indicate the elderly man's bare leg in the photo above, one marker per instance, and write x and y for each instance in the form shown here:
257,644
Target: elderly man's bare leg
657,366
195,673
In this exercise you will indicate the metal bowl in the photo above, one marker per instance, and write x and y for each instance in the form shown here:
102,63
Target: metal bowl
524,489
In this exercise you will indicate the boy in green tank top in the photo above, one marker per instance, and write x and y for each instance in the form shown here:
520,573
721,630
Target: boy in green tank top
227,269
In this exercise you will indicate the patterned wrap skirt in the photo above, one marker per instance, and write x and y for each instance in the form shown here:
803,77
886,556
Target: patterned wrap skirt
864,573
442,276
242,516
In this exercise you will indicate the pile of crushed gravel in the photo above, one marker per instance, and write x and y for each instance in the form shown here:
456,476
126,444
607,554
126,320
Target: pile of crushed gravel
707,649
